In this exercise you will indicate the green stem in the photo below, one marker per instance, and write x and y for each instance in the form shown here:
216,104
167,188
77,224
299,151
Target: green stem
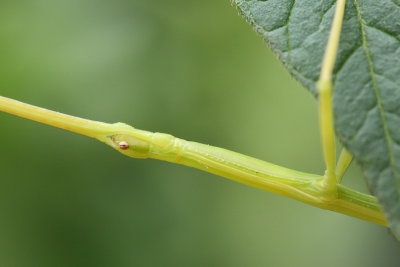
305,187
325,96
344,161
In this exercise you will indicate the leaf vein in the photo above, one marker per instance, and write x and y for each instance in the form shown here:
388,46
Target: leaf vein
384,31
388,79
367,113
396,3
319,26
344,61
357,96
287,29
275,29
388,138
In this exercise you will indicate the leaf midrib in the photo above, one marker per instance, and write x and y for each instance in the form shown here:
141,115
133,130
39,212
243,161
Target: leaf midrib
388,138
289,48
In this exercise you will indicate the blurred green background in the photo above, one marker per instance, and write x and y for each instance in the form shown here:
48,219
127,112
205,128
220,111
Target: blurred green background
196,70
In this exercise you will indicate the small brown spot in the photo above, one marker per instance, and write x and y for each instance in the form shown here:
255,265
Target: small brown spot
123,145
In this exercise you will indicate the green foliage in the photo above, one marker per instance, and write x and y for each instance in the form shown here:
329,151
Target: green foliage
366,77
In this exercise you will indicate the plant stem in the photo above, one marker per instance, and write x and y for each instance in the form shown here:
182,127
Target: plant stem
305,187
345,159
333,42
325,96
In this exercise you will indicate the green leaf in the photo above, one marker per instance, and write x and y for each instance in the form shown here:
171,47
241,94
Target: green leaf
366,77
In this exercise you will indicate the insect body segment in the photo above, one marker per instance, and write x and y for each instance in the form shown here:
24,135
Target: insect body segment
146,144
131,146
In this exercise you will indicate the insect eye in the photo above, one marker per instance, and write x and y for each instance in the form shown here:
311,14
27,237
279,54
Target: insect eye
123,145
130,145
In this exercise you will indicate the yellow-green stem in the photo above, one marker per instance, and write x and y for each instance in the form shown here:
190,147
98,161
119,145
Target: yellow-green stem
325,96
344,161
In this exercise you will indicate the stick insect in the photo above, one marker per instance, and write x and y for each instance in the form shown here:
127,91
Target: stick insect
308,188
323,191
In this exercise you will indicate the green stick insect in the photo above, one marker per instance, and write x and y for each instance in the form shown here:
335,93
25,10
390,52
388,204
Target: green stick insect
323,191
